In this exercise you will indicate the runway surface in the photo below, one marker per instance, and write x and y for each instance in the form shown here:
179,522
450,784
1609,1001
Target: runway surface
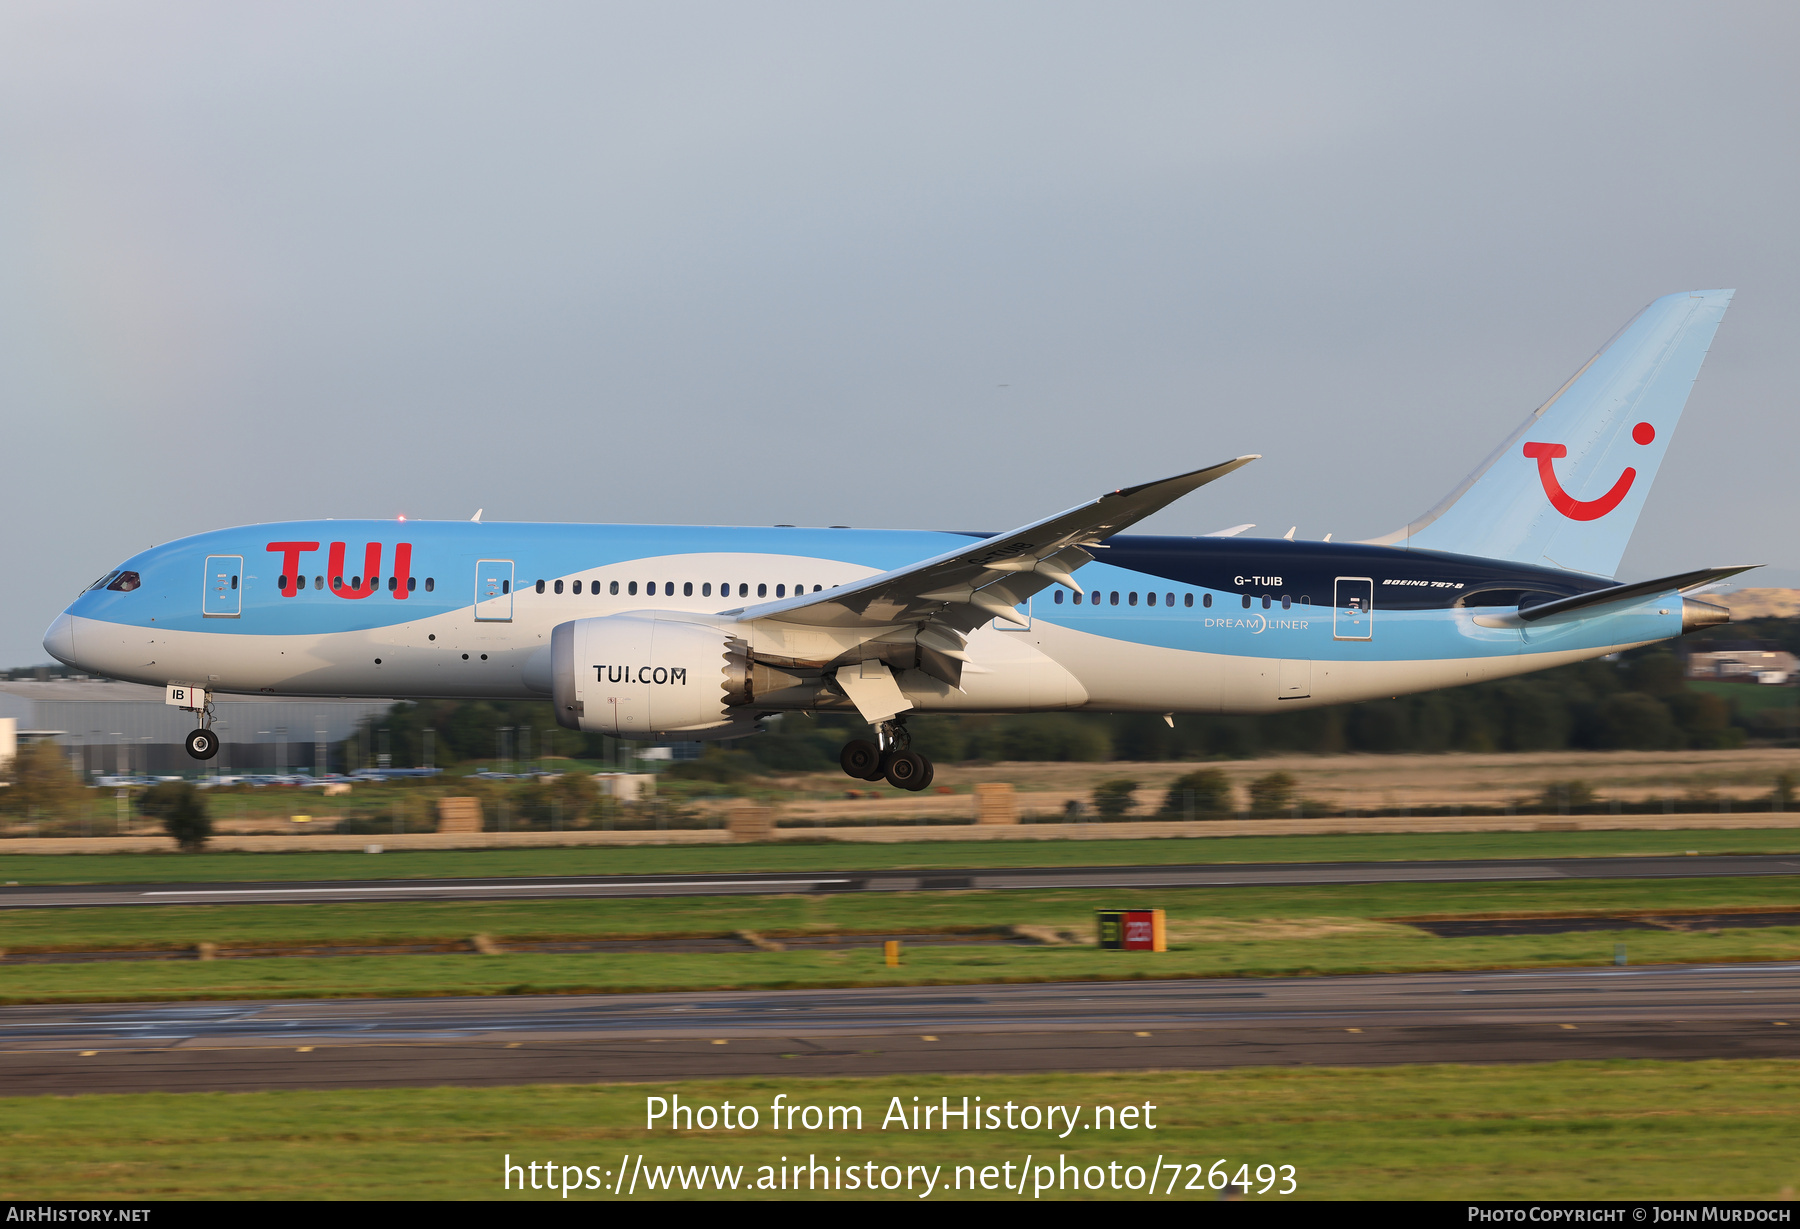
1675,1011
1260,874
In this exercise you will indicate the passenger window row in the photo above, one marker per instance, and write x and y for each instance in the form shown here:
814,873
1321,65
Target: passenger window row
668,588
337,582
1096,596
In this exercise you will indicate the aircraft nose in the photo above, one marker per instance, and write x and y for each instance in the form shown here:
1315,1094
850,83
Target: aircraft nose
59,641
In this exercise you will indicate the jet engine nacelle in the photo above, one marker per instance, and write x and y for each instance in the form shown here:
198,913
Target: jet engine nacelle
643,676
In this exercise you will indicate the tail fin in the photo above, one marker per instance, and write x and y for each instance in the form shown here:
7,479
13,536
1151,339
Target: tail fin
1566,489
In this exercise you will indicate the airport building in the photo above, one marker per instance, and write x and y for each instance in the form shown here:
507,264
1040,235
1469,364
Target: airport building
125,729
1749,661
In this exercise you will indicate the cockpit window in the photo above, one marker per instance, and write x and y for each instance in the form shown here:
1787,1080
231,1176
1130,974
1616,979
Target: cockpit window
102,582
124,582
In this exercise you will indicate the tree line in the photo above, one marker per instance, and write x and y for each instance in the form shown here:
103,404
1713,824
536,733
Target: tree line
1640,702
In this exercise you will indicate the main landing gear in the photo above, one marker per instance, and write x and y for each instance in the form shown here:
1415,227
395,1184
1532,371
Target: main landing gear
890,759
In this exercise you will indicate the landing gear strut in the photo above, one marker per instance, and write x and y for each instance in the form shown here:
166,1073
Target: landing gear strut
891,759
203,744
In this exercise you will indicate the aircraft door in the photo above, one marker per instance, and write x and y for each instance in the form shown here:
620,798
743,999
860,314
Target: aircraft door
493,591
1353,613
223,595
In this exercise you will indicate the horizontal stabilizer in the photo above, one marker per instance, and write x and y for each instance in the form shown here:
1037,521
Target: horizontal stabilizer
1680,583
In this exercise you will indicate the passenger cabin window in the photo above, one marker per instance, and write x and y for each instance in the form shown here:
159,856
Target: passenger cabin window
1059,594
631,589
430,584
576,588
1115,597
1131,598
1246,601
1287,603
1169,599
687,588
1265,601
762,591
540,586
613,588
744,590
780,590
706,589
412,584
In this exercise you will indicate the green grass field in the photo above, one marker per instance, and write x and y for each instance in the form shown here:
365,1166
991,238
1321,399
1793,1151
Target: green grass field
925,854
1227,932
1613,1130
1748,698
549,973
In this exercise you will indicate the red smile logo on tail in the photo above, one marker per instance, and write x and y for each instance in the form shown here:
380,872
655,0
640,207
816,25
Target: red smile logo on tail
1568,505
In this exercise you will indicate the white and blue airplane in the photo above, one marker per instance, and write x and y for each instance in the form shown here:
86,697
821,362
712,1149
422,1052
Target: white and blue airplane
699,632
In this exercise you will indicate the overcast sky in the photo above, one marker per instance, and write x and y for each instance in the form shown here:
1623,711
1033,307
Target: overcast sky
907,265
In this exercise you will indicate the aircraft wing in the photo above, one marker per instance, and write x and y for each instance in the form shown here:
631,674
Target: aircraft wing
987,579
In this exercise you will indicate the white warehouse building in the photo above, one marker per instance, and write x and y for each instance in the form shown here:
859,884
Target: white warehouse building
112,728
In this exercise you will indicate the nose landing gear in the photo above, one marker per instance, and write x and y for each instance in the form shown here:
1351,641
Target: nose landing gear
891,760
202,744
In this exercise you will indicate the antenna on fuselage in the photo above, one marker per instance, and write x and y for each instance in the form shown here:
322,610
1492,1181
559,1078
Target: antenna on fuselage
477,517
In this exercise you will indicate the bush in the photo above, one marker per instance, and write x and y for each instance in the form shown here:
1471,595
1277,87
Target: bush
182,810
1113,799
1783,796
1273,794
43,783
717,765
1567,795
1207,792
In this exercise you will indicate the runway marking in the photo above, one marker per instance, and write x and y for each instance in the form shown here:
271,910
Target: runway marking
721,1042
89,1053
1353,1030
495,887
928,1039
1567,1026
304,1050
1140,1034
